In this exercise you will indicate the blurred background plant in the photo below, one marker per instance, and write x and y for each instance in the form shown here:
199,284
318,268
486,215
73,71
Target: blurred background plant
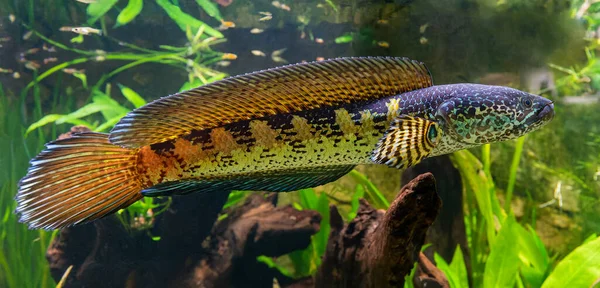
531,205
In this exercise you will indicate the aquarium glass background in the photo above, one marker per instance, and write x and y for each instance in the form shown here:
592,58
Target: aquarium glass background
66,63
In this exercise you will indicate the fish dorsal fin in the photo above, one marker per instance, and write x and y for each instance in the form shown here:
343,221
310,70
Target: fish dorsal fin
408,141
273,91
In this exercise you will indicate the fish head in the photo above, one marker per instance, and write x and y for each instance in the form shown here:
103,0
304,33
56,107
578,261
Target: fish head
479,114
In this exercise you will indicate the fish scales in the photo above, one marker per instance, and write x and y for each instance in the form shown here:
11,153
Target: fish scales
344,135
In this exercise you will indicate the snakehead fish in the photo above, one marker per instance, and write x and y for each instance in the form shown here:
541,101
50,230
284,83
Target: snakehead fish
281,129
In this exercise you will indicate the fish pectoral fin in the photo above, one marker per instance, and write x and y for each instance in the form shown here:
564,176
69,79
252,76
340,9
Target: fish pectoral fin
408,141
275,181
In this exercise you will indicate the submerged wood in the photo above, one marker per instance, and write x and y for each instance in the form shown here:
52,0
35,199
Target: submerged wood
376,249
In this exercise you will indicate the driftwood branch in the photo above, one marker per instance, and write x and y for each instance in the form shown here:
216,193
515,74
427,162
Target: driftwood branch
378,248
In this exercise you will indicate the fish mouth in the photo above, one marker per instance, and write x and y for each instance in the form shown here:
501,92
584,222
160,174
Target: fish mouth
547,112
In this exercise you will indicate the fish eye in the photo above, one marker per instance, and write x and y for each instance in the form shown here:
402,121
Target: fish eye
526,101
432,133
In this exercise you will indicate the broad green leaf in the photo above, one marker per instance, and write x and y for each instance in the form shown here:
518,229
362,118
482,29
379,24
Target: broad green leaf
471,171
45,120
459,269
78,39
81,77
581,268
503,262
534,258
133,97
115,110
346,38
183,20
191,85
322,236
84,111
408,279
98,9
308,199
133,8
444,267
269,262
234,198
359,192
210,8
217,77
109,123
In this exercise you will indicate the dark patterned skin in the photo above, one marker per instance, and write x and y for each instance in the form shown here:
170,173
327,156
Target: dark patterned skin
469,114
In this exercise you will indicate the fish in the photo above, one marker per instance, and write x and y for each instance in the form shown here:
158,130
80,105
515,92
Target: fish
383,44
50,60
223,63
258,53
87,1
281,129
319,40
229,56
81,30
266,16
256,31
226,25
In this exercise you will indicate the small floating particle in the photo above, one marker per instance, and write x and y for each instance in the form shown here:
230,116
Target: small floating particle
72,70
319,40
423,40
229,56
50,60
49,49
27,35
256,31
32,65
383,44
266,18
32,51
223,63
258,53
16,75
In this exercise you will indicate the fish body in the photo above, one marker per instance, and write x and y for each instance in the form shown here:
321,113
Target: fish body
281,129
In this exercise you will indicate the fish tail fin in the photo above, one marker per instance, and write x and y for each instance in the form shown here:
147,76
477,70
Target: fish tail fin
77,180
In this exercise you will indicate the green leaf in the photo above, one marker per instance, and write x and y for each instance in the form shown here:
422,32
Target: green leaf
320,239
115,110
183,20
459,269
98,9
408,279
534,258
84,111
191,85
450,275
133,97
346,38
133,8
45,120
81,77
581,268
109,123
359,192
78,39
503,262
308,199
210,8
234,198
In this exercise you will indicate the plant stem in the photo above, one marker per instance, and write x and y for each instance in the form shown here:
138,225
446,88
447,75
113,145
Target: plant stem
514,166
